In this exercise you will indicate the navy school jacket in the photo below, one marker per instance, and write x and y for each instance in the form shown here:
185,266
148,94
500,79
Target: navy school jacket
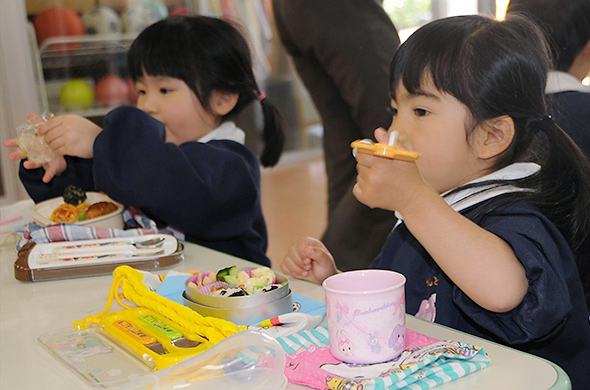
209,191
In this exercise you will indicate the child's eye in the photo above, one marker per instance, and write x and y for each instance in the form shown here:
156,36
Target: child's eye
165,90
392,110
421,112
140,92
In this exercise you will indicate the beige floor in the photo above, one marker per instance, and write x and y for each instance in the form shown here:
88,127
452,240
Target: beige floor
294,202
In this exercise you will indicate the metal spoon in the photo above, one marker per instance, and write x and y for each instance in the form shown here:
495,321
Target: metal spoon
151,243
109,246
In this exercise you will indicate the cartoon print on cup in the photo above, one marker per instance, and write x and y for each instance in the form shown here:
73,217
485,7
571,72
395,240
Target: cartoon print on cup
345,344
397,340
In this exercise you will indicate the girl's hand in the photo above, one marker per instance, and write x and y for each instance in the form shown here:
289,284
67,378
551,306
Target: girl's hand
52,168
70,135
385,183
309,259
17,155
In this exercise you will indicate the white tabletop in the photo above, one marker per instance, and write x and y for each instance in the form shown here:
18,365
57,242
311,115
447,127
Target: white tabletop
28,310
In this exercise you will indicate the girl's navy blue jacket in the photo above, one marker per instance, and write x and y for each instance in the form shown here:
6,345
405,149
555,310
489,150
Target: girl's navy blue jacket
209,191
551,321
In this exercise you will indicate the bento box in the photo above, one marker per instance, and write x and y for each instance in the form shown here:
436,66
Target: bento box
246,308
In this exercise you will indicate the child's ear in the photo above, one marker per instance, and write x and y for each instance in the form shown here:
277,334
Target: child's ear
223,102
496,135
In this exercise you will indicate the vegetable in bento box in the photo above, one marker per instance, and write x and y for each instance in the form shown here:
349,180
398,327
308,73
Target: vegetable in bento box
228,275
74,195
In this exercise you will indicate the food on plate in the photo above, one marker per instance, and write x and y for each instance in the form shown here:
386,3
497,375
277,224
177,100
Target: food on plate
74,195
82,210
99,209
64,213
230,282
74,210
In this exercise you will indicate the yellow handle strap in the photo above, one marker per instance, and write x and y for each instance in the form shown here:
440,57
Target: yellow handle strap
130,280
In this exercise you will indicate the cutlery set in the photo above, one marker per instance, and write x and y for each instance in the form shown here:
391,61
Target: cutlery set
65,259
107,250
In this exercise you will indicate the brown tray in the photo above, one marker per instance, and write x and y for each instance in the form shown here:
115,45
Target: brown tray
27,269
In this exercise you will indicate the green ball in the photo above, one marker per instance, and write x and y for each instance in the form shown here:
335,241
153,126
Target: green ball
76,94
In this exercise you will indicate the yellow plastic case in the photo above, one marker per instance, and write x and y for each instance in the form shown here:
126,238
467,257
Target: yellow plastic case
384,150
156,342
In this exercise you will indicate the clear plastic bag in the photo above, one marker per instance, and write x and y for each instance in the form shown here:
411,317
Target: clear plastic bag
31,144
247,361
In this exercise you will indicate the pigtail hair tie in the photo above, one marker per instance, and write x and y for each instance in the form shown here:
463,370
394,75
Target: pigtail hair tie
261,96
545,122
542,123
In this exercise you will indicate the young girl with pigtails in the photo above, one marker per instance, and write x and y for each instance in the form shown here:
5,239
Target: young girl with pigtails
495,213
177,155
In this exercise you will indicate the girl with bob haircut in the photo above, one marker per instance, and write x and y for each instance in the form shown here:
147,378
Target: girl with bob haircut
496,210
177,156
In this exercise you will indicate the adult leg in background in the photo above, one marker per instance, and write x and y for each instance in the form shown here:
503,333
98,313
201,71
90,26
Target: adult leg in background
342,50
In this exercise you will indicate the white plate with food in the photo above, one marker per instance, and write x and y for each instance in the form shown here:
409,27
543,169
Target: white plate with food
97,210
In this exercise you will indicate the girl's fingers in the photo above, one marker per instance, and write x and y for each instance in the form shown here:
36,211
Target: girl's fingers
31,165
57,145
11,143
381,135
18,155
365,159
51,124
296,262
289,267
33,117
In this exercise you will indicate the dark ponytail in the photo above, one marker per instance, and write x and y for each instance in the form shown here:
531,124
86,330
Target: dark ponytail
273,135
563,190
208,54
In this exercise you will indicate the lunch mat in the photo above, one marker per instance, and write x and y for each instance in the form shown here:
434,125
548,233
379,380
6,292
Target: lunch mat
136,224
425,363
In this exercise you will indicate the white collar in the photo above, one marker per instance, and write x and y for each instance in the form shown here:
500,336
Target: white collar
561,81
471,196
226,131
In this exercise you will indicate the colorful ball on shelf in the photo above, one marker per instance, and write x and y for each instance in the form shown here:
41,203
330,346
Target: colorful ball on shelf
156,7
58,22
112,90
102,20
147,12
76,94
132,92
181,10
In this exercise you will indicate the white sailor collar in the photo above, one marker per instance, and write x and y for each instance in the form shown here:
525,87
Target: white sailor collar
468,197
226,131
558,81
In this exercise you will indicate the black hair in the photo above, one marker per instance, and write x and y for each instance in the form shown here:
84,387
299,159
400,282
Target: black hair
208,54
500,68
566,24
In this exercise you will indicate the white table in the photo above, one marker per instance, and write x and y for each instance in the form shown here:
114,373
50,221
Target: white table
28,310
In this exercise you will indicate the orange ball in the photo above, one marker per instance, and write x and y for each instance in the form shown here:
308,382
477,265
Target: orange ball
58,22
112,90
132,92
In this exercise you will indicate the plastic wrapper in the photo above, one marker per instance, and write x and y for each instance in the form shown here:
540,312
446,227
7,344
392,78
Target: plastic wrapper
246,361
31,144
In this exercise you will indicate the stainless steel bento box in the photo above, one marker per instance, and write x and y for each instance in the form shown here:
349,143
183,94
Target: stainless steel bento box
242,310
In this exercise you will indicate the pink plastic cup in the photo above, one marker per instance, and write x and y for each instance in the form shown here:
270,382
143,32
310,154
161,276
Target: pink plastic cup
366,312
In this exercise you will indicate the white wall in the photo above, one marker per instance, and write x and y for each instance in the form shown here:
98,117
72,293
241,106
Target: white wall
18,89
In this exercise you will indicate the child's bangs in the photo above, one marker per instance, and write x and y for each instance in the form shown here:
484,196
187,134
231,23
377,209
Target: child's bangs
439,51
155,53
